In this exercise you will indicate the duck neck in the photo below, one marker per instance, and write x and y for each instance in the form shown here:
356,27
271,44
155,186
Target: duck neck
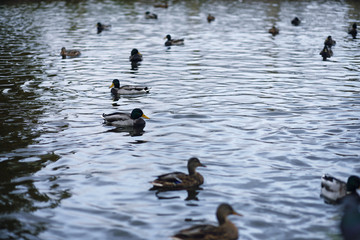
221,218
192,171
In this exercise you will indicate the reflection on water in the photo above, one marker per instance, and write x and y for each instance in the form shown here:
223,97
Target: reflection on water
266,114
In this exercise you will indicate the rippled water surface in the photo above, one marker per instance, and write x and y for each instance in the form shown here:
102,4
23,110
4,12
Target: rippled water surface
265,114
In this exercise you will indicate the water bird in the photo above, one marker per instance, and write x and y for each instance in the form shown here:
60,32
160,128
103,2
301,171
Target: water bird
326,53
149,15
119,119
350,220
69,53
329,42
225,231
210,18
274,30
334,190
296,21
179,180
116,90
161,5
135,56
171,42
353,31
101,27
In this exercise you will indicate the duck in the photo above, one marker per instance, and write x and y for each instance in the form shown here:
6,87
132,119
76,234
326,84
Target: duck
69,53
179,180
149,15
274,31
119,119
116,90
334,190
296,21
326,53
101,27
329,42
135,56
161,5
350,220
353,31
171,42
225,231
210,18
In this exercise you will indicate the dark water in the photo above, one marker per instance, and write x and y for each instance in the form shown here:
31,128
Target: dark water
265,114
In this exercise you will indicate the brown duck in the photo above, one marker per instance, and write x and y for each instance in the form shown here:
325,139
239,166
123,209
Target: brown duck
69,53
179,180
274,31
225,231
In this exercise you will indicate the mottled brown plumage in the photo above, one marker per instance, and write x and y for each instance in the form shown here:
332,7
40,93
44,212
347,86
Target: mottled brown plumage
69,53
274,31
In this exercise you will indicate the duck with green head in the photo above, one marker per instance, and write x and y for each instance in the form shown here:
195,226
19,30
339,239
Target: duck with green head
172,42
149,15
116,90
119,119
334,190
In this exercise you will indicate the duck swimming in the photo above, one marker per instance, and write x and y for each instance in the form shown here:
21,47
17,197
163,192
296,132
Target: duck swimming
119,119
326,53
135,56
149,15
334,190
353,31
179,180
210,18
69,53
225,231
329,42
296,21
116,90
274,31
101,27
171,42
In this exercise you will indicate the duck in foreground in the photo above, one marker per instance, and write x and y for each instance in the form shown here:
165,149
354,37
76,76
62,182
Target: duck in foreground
119,119
296,21
171,42
116,90
274,31
69,53
334,190
101,27
149,15
179,180
225,231
353,31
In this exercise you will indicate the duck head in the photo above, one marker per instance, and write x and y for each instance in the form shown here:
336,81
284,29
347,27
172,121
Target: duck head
134,51
137,113
193,163
223,211
168,37
353,183
115,83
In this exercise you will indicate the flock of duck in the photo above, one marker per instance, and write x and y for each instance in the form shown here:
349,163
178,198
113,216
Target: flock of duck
333,190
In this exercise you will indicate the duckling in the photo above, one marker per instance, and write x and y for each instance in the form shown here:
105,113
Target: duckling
171,42
296,21
274,31
135,56
334,190
329,42
161,5
179,180
149,15
353,31
210,18
119,119
326,53
225,231
102,27
116,90
69,53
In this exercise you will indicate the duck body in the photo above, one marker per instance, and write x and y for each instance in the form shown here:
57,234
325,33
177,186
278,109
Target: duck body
210,18
353,31
116,90
350,221
135,56
274,31
149,15
326,53
296,21
172,42
179,180
101,27
119,119
225,231
161,5
69,53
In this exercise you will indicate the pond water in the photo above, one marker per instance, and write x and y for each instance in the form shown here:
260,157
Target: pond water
265,114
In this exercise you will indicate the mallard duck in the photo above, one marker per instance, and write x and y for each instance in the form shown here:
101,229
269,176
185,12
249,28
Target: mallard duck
179,180
353,31
296,21
101,27
225,231
326,53
333,189
69,53
118,119
161,5
350,221
127,89
149,15
274,31
210,18
135,56
329,42
171,42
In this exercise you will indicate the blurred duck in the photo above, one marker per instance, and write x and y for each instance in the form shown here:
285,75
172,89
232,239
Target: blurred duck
116,90
329,42
69,53
149,15
179,180
171,42
326,53
274,31
101,27
296,21
334,190
210,18
161,5
353,31
119,119
135,56
350,221
225,231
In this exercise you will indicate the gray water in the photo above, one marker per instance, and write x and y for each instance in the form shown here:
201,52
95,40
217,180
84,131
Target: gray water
265,114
